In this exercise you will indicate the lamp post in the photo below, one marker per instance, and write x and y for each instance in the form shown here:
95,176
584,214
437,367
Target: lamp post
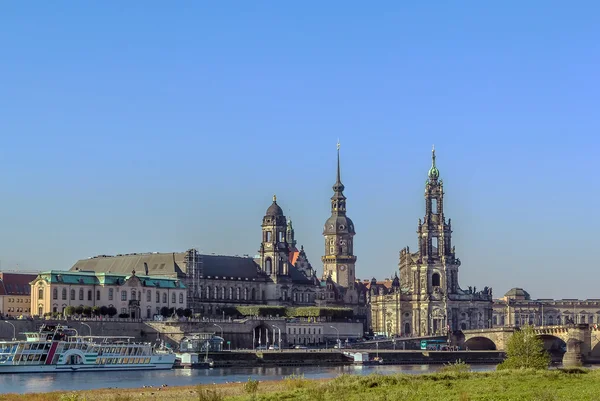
14,330
275,327
88,326
222,339
338,335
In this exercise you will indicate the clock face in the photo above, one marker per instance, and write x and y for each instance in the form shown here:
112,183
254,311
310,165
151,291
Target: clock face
268,244
343,267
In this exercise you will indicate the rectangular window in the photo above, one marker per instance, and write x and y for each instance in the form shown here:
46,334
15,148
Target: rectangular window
434,206
123,295
110,294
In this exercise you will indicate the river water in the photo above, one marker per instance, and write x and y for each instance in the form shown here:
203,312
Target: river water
33,383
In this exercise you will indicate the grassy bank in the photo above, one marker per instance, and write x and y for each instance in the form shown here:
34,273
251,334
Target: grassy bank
504,385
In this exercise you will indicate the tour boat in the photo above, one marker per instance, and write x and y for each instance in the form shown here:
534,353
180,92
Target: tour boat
56,349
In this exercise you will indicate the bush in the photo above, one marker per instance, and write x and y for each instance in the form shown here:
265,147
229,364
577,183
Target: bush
165,312
251,386
525,350
459,367
103,310
292,382
111,311
179,312
96,311
69,311
123,315
87,311
187,312
79,309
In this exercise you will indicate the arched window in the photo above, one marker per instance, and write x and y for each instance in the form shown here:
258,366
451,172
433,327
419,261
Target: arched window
230,292
173,298
81,294
223,293
111,294
181,297
237,293
73,295
207,292
89,295
435,280
64,293
245,294
55,293
97,295
253,294
41,293
216,293
149,296
268,266
164,297
133,294
406,328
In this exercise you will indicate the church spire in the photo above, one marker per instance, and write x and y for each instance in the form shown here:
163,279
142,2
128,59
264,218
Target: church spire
338,200
434,173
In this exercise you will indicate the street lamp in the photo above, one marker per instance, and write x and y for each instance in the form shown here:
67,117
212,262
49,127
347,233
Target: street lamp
222,339
88,326
338,335
14,330
275,327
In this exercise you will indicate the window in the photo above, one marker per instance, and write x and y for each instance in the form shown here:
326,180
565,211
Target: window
207,292
149,297
72,295
230,292
133,295
222,293
245,294
173,299
55,293
81,294
181,297
41,293
157,297
216,294
123,295
89,295
268,266
237,293
110,294
97,295
434,245
164,297
268,236
64,293
434,206
435,280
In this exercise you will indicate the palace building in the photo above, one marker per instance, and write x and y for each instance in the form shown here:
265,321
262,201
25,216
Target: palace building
280,274
426,298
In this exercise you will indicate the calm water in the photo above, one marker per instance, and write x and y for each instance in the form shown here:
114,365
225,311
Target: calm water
29,383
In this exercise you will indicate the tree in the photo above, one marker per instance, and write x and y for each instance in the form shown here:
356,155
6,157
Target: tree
179,312
96,310
103,310
524,350
165,312
69,311
111,311
79,309
87,311
187,312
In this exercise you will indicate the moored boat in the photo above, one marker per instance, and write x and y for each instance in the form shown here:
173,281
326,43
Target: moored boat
59,349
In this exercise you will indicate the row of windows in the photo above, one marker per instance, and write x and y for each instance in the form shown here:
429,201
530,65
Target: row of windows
19,300
111,295
303,330
18,310
224,293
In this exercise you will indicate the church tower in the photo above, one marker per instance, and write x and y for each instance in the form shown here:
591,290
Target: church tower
339,260
436,253
274,249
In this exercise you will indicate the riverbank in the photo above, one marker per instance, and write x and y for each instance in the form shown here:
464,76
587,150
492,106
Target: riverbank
578,384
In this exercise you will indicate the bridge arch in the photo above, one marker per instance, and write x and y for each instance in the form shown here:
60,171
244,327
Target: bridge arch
480,344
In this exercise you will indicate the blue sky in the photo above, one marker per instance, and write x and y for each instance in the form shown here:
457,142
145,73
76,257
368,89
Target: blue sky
147,126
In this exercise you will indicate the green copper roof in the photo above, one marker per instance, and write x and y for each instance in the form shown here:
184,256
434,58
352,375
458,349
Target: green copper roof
91,278
434,173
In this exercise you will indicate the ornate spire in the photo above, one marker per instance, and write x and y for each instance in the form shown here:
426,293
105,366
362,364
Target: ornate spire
434,173
338,200
274,198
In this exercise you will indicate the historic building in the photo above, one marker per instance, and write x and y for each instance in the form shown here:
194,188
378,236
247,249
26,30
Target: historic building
426,299
517,308
339,284
140,296
15,294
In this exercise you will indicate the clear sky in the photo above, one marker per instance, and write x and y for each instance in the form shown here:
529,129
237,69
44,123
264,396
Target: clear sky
159,126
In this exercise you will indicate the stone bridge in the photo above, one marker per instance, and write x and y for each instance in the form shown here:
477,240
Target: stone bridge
581,341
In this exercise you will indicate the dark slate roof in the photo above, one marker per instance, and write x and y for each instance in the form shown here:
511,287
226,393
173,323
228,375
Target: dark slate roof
159,264
229,266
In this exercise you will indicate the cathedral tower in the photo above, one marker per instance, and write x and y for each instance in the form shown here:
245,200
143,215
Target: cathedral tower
339,260
274,249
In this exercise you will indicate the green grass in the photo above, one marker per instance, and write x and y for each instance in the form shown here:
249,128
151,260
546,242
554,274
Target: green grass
451,385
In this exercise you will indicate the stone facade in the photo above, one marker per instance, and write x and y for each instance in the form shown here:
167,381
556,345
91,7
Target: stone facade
426,299
517,308
15,294
139,296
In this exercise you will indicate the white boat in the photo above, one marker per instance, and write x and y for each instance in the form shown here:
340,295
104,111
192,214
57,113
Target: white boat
59,349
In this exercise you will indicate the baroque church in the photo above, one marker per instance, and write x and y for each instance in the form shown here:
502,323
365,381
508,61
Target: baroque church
426,299
280,274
